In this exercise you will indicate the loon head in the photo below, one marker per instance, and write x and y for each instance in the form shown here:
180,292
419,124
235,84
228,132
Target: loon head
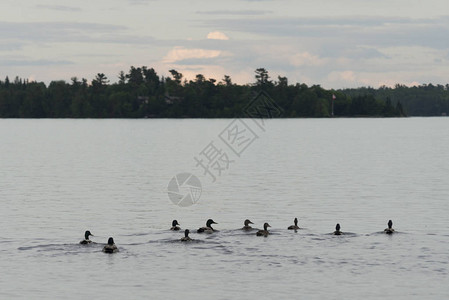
265,226
210,222
295,221
87,234
337,228
186,233
247,222
110,241
390,224
174,223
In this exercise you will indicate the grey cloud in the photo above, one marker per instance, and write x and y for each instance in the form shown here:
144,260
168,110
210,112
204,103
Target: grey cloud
236,12
53,31
254,54
8,46
351,44
39,62
59,7
60,32
341,50
368,31
140,2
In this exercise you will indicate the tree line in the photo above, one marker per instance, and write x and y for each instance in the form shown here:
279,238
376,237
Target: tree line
142,93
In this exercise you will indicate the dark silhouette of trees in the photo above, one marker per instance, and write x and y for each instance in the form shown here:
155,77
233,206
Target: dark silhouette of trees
262,79
141,92
227,80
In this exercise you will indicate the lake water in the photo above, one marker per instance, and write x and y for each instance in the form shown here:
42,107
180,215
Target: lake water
59,178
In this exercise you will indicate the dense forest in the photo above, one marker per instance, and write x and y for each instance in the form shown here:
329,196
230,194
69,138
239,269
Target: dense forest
142,93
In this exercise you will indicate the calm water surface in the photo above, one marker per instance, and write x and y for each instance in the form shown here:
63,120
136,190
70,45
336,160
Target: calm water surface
59,178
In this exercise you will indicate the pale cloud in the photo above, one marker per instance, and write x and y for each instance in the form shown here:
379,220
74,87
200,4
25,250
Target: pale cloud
305,58
350,78
180,53
217,35
347,78
391,81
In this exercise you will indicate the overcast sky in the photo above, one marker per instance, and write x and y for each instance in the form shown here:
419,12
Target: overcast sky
334,43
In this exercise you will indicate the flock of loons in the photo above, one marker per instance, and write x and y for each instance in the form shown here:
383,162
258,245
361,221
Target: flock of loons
110,247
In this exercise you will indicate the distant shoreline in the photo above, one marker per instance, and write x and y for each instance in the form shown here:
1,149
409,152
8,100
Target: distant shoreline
143,94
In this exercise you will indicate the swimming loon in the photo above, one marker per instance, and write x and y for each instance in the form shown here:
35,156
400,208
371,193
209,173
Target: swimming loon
174,225
294,227
86,238
186,237
390,229
110,247
264,232
337,230
247,227
208,228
